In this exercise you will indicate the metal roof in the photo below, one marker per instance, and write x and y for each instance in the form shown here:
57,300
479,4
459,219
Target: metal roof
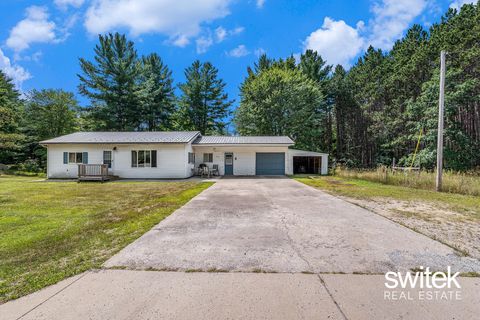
243,140
126,137
304,153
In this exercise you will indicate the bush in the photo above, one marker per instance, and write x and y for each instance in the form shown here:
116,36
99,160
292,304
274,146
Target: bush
27,166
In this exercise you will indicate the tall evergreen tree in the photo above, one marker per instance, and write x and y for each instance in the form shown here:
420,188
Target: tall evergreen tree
348,120
313,65
156,94
367,79
10,116
111,82
204,104
315,68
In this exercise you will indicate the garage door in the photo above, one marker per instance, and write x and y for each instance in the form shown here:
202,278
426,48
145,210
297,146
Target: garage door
270,164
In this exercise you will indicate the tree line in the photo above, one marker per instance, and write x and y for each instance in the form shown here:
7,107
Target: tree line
369,115
387,101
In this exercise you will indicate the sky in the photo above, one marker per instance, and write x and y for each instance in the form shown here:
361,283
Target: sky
41,41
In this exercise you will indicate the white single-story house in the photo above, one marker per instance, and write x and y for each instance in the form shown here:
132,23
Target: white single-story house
177,154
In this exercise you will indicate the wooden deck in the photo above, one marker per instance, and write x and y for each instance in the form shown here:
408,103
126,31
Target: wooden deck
93,172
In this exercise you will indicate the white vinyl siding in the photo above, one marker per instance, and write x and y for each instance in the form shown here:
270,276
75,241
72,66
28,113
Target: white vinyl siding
243,157
171,160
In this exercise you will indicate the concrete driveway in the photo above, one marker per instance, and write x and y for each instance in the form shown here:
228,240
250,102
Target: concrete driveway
258,225
281,225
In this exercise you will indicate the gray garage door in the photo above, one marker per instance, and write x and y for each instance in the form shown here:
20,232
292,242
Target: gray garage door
270,164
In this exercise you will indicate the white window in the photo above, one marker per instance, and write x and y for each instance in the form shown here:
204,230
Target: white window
144,158
75,157
208,157
191,157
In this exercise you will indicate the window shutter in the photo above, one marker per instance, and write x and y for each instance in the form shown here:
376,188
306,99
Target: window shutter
65,158
134,159
85,158
154,158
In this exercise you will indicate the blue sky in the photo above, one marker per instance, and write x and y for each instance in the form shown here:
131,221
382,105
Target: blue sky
41,41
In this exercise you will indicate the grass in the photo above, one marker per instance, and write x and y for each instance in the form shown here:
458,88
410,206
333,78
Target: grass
367,190
467,183
53,230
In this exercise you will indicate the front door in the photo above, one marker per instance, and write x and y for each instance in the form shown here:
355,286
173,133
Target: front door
229,164
108,160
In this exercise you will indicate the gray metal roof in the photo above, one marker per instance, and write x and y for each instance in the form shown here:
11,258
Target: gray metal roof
296,152
243,140
125,137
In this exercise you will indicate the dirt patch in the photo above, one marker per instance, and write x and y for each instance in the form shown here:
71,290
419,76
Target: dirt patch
458,230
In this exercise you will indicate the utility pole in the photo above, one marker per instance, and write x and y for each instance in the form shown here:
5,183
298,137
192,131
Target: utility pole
441,101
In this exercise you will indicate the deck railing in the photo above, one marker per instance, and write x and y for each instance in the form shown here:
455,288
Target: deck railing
93,172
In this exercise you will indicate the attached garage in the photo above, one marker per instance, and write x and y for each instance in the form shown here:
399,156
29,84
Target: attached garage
307,162
270,163
307,165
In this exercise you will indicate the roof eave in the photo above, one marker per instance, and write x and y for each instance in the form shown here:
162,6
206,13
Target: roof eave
240,144
110,142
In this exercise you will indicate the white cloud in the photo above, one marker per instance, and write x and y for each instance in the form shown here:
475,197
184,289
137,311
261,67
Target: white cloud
391,19
203,43
339,43
220,34
260,3
457,4
63,4
236,31
180,20
33,57
239,51
336,42
181,41
34,28
13,71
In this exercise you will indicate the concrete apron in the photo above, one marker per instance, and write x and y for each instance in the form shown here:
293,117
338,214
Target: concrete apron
126,294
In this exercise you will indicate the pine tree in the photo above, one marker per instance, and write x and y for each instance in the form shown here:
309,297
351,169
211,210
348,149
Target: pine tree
204,105
111,83
347,116
156,94
315,68
10,115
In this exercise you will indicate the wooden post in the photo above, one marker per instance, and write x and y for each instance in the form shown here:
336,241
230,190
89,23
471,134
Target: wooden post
441,101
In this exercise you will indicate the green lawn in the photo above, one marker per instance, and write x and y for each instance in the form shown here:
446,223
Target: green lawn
53,230
363,189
